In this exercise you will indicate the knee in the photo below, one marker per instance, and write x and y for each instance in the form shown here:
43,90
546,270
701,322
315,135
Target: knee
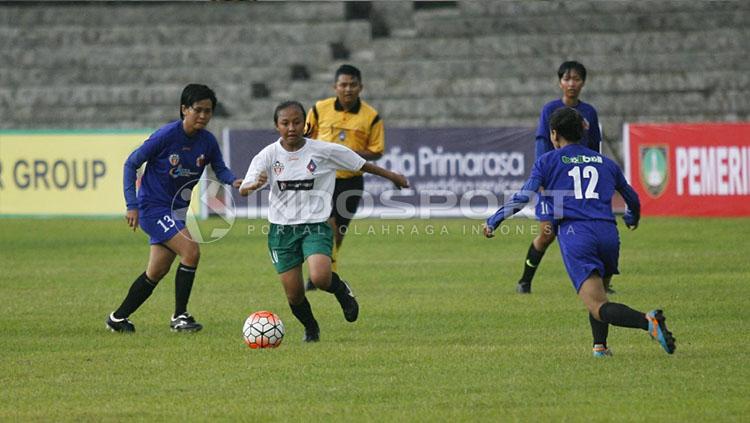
155,275
192,256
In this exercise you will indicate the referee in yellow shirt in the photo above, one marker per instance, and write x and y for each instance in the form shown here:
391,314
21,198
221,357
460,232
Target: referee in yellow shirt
347,120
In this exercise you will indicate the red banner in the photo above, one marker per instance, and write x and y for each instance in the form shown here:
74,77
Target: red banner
689,169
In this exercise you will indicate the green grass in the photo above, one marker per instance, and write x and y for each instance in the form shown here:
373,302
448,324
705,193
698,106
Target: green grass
442,335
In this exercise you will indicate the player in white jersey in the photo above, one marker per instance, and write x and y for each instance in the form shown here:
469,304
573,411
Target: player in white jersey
302,175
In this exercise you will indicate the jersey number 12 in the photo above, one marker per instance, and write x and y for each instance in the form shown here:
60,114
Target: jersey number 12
590,173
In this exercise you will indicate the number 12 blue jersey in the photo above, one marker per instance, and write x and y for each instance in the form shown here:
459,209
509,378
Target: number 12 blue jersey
581,183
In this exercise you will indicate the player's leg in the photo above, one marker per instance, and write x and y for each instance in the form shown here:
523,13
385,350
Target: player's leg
160,227
316,248
285,247
291,280
534,255
189,252
592,291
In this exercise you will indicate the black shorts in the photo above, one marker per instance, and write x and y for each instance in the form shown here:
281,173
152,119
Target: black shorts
346,196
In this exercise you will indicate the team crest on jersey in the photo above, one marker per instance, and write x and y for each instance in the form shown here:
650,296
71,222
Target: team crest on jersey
278,167
654,169
312,166
586,124
200,161
342,136
174,159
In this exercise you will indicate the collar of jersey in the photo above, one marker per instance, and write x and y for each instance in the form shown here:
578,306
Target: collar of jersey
340,108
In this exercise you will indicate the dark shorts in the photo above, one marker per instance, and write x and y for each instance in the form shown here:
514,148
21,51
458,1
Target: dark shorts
587,247
346,197
290,245
160,224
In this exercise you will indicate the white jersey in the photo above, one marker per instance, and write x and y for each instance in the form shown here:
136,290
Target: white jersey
301,181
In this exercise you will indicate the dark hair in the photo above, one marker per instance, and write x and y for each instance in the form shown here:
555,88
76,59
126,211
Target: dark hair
283,105
569,66
348,70
568,123
193,93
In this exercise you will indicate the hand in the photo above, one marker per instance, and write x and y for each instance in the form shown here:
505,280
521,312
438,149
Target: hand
237,183
400,181
488,232
132,218
262,179
630,220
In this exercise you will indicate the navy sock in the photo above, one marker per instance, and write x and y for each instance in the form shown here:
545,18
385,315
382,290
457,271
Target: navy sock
622,315
139,292
303,313
599,330
183,285
533,258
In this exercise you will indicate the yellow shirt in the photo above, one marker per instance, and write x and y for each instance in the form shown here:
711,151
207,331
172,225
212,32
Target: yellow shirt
359,128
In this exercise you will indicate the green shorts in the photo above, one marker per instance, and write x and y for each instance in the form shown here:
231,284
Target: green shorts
290,245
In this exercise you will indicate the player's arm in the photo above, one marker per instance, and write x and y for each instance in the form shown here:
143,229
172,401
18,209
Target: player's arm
220,168
516,203
542,143
595,134
633,214
256,176
398,179
137,158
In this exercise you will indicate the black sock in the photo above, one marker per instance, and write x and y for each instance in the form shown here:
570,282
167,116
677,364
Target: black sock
303,313
139,291
337,287
533,257
622,315
183,284
599,330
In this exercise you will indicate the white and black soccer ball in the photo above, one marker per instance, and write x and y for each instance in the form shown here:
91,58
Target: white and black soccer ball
263,329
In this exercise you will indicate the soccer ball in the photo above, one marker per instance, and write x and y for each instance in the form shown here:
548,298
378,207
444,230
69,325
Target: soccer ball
263,329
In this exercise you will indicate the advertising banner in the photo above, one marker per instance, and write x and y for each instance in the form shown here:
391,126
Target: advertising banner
64,173
452,171
689,169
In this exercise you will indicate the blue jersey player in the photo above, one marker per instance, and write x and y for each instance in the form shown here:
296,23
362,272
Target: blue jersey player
175,156
582,183
571,77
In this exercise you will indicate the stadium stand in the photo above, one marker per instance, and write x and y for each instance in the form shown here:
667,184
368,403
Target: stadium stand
467,63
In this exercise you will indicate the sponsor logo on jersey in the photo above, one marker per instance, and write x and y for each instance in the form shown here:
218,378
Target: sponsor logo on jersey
312,166
201,160
654,169
580,159
174,159
300,185
278,167
179,171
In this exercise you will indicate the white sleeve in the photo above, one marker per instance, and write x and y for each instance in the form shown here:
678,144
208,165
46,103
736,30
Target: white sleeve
344,158
257,165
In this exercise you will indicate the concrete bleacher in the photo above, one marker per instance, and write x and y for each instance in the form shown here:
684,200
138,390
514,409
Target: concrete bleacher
468,63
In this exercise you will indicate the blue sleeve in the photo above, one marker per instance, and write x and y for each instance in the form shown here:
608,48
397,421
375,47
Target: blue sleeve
137,158
519,199
224,174
628,194
595,135
543,143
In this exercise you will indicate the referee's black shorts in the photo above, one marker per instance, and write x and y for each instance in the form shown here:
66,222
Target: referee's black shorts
346,197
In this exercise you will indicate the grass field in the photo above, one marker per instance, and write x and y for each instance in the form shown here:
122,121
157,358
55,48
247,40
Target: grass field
442,335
